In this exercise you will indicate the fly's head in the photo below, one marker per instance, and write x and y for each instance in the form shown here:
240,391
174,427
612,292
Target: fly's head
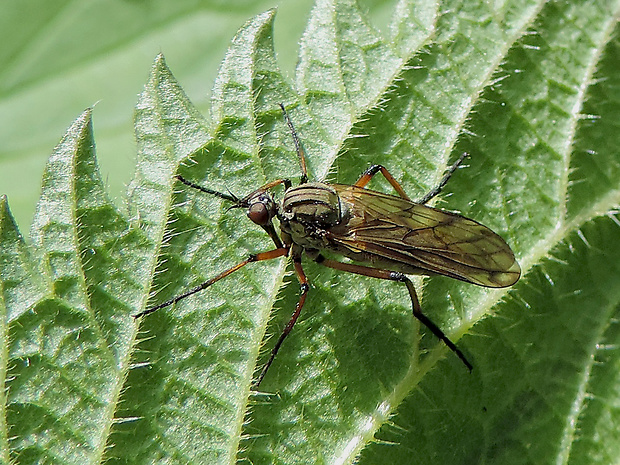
261,208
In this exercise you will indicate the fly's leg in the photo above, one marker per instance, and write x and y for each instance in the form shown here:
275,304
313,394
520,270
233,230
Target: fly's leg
206,190
370,172
301,154
446,177
401,278
244,202
233,198
259,257
305,287
374,169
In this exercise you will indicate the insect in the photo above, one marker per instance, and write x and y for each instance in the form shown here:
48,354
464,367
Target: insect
384,236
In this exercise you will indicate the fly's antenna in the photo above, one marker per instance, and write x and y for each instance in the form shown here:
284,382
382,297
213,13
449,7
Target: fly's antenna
298,148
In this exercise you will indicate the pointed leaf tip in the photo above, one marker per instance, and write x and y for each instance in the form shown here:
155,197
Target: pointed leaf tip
160,60
5,210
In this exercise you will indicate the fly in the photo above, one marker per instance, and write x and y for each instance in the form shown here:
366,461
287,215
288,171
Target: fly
385,236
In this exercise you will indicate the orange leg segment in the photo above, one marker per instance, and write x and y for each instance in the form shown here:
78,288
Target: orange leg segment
370,172
259,257
305,287
398,277
374,169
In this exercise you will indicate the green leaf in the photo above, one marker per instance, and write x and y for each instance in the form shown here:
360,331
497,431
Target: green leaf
69,331
527,88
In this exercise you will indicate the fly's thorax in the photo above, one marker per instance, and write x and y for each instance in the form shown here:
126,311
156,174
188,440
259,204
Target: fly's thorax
308,211
312,203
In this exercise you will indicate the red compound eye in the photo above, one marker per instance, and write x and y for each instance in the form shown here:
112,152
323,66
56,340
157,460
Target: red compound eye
259,214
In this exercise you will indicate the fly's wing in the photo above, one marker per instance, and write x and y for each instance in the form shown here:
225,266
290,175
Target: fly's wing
399,231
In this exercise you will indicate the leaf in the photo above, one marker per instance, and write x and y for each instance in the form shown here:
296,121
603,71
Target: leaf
358,379
69,331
